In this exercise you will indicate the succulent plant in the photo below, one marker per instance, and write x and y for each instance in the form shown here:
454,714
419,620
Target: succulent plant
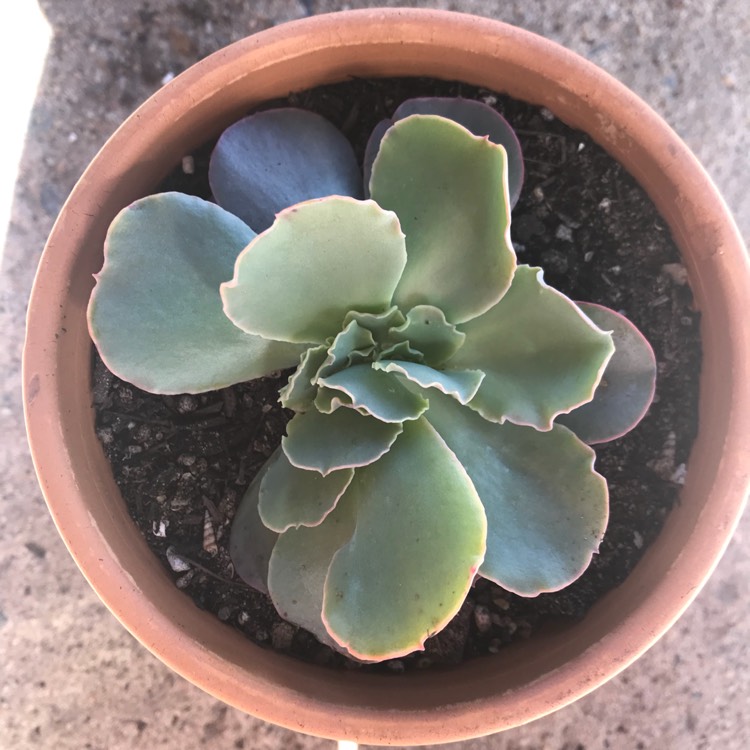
443,395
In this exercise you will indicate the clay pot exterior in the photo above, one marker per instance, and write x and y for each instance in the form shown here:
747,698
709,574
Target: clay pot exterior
527,680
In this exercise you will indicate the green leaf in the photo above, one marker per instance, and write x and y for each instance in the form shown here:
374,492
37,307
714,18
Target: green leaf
419,539
321,259
546,507
353,338
427,330
299,566
475,116
627,386
299,392
327,400
297,497
540,354
377,323
156,304
401,351
250,541
454,210
271,160
461,384
480,119
342,440
376,393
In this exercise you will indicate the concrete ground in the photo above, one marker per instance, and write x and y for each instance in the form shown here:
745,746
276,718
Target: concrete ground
71,676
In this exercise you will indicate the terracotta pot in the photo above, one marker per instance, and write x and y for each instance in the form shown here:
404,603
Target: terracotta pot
530,679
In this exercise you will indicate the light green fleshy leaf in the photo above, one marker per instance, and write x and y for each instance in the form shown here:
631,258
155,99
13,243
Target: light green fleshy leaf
320,260
547,508
541,355
460,384
299,392
250,541
377,323
327,400
427,330
156,304
627,386
292,497
351,339
454,211
401,351
475,116
342,440
377,393
299,566
357,357
480,119
419,539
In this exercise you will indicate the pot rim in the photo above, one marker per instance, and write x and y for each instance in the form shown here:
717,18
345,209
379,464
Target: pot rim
100,537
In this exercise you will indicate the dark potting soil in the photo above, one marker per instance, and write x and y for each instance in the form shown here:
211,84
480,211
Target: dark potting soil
184,462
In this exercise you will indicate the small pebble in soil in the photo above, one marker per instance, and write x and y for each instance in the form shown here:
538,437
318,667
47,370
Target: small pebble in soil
664,465
224,613
482,618
183,581
177,563
677,272
679,475
282,635
186,404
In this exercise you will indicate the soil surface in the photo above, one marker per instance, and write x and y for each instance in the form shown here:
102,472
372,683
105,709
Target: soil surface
184,462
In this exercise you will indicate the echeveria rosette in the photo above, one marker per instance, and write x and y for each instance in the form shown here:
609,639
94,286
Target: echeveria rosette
390,305
423,448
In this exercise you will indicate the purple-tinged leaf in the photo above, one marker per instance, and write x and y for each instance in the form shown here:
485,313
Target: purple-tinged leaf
371,151
250,541
627,386
271,160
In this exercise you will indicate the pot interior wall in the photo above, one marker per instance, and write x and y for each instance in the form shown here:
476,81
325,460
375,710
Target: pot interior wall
480,696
